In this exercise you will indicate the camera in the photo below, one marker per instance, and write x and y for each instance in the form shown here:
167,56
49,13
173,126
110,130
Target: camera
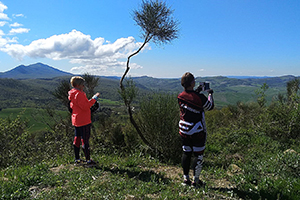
203,86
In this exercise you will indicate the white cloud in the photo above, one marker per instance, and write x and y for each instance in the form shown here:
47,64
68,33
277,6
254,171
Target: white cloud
2,23
94,56
5,41
4,16
2,8
16,24
12,40
14,31
104,69
18,15
2,41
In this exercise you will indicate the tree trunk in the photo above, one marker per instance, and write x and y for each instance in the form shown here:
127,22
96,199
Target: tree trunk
127,104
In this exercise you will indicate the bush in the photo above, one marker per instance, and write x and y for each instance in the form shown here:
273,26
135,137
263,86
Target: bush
283,118
19,146
110,134
158,118
16,146
283,121
131,137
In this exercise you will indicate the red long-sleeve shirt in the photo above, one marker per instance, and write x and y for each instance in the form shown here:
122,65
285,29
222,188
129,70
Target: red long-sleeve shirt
80,105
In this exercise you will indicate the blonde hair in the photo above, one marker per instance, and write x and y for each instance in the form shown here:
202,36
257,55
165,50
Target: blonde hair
77,81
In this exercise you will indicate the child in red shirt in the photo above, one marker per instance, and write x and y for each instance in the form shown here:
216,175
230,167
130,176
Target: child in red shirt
81,118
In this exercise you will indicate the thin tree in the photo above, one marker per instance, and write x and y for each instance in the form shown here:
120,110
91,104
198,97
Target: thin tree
292,88
61,91
157,24
91,82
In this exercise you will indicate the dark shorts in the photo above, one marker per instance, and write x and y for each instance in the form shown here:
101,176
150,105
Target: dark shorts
194,143
82,134
83,130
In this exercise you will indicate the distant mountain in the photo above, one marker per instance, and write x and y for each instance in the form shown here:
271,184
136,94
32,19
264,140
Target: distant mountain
247,77
38,70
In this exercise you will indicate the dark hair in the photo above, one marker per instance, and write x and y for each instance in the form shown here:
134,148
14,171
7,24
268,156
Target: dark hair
187,79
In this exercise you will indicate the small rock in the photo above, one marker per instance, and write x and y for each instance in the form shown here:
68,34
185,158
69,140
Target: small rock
233,168
290,151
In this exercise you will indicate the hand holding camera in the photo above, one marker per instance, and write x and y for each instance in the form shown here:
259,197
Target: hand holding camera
204,86
210,91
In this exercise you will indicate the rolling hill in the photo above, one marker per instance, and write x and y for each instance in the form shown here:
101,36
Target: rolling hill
19,90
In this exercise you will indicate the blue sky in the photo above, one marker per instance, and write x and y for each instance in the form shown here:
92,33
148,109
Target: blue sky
217,37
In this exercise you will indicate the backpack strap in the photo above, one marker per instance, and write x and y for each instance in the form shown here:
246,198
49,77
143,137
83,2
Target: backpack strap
69,107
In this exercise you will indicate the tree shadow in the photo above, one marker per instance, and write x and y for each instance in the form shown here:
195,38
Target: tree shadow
132,173
238,193
152,176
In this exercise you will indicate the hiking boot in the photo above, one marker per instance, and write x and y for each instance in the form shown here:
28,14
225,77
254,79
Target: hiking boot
186,182
79,162
198,184
91,163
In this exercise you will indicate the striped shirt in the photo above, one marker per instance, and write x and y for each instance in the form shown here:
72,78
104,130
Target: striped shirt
192,107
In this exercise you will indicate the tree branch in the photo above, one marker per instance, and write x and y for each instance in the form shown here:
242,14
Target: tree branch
147,39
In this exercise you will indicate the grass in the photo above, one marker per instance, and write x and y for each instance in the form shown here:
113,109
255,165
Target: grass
133,177
140,176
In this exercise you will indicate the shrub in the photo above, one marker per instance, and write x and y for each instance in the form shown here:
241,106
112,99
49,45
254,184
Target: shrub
109,134
241,115
283,121
131,138
158,118
16,146
283,114
19,146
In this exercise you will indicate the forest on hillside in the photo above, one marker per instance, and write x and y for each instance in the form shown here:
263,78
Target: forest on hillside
18,93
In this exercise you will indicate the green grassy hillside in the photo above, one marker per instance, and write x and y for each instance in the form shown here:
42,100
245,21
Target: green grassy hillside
36,118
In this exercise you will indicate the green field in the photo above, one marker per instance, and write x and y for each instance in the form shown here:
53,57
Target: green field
35,117
108,102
